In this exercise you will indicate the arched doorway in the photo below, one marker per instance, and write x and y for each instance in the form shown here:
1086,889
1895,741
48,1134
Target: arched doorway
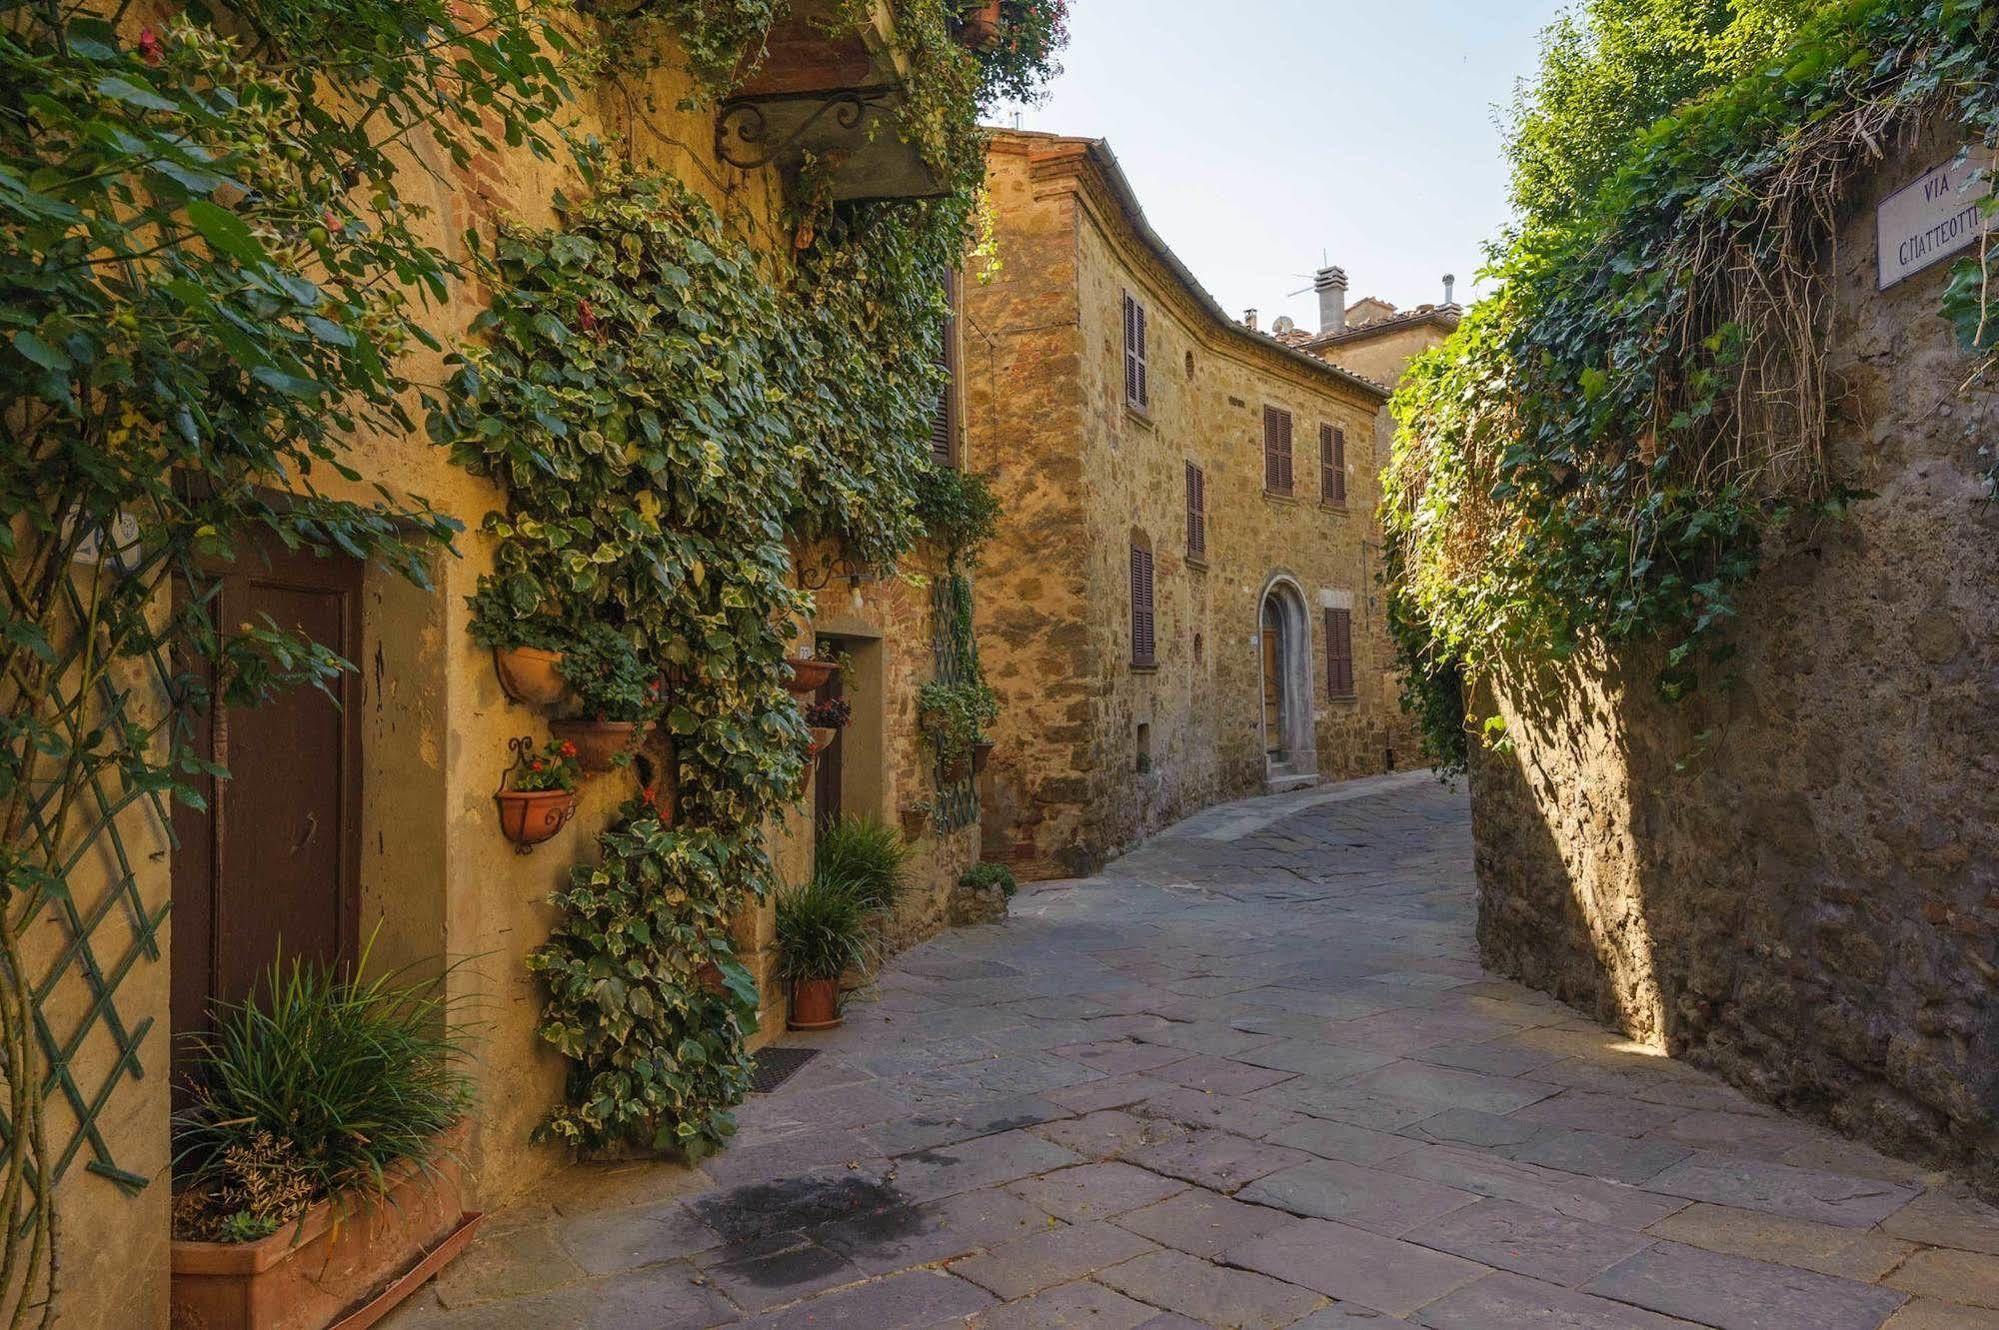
1285,644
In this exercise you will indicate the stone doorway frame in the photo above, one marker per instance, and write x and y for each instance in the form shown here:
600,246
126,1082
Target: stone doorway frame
1300,742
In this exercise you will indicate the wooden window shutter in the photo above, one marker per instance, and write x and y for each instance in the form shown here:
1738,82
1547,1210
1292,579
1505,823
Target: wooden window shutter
1197,512
1142,640
1144,371
1332,464
1276,450
944,419
1130,349
1339,653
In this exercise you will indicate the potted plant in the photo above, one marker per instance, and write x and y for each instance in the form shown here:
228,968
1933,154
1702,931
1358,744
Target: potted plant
953,718
618,693
537,794
827,719
913,818
809,674
979,24
821,933
527,653
866,856
315,1174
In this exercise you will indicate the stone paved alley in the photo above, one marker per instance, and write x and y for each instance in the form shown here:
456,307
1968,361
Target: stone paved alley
1251,1076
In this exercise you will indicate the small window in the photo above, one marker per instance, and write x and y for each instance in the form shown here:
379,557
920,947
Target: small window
1190,364
1339,654
1276,450
1142,641
1197,512
1332,464
944,417
1144,756
1137,392
1200,649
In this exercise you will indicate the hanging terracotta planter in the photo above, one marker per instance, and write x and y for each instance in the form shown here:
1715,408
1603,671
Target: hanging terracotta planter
529,817
982,753
914,818
530,675
979,27
822,739
815,1004
808,676
598,742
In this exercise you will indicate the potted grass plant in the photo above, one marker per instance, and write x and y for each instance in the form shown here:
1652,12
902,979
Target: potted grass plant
316,1180
618,694
822,932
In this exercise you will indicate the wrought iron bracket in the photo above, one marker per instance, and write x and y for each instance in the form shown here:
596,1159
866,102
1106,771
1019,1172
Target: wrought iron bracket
743,133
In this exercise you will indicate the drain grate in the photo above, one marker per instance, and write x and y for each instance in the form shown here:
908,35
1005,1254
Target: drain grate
772,1067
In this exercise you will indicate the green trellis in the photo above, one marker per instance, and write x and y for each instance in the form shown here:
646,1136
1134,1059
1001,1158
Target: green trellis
957,801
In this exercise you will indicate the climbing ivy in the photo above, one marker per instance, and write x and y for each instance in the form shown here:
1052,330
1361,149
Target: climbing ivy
1601,453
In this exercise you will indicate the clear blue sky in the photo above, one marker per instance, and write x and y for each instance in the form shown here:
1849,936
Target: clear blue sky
1261,133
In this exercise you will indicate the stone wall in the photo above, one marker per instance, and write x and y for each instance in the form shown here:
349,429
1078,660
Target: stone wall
1795,880
1081,475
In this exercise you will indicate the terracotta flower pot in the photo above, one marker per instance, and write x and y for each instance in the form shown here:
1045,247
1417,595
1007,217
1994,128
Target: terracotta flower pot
809,676
598,742
530,675
529,817
347,1264
815,1004
979,28
913,821
822,738
982,753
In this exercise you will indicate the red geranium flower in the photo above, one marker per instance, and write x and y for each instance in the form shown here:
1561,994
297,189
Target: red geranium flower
150,49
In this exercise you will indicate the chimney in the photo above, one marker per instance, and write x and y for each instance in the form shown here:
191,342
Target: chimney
1249,319
1331,284
1450,286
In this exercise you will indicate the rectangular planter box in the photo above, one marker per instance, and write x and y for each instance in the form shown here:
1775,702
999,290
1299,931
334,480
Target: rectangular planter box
346,1266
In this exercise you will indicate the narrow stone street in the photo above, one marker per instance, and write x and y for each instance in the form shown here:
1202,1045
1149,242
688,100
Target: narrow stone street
1251,1076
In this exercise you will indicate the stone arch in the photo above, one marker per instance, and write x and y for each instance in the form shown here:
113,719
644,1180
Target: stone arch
1284,657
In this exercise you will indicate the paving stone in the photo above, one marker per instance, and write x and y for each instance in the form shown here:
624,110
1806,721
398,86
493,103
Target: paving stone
1116,1057
1734,1293
1212,1293
1596,1154
1080,1306
1610,1113
1367,1198
1108,1132
1751,1134
1197,1108
897,1239
1468,1126
1948,1218
607,1241
1220,1075
1452,1088
1513,1302
916,1298
509,1265
663,1295
1930,1314
1566,1194
1340,1140
1215,1159
1530,1241
1054,1256
970,1165
1095,1191
1354,1265
1348,1316
924,1131
1311,1057
1955,1276
1345,1102
1493,1059
1205,1037
1846,1252
1780,1189
784,1276
1109,1092
1201,1222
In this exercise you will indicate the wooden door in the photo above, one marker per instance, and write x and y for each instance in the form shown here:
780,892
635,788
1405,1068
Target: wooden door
272,864
826,779
1273,681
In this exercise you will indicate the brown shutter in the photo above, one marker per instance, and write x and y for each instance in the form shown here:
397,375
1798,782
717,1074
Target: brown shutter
1332,464
944,419
1339,653
1144,375
1276,450
1142,643
1130,349
1340,463
1197,512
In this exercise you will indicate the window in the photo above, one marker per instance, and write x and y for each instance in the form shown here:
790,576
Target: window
1137,392
1143,764
1332,464
1339,653
1276,450
1142,644
1197,512
944,418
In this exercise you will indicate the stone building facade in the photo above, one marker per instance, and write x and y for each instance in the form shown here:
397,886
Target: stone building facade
1794,879
435,881
1183,592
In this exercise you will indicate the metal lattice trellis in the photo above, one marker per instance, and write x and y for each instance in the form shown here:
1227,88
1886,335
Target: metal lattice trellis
957,802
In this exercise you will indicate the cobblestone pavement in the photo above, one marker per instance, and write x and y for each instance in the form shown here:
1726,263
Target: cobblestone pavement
1252,1076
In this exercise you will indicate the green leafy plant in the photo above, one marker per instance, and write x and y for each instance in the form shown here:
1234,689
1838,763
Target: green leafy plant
865,856
243,1226
344,1078
609,677
1019,63
985,876
496,623
954,717
835,713
822,931
554,768
958,510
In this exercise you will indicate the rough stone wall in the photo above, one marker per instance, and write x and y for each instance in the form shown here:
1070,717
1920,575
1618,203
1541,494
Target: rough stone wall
1080,472
1383,357
1811,906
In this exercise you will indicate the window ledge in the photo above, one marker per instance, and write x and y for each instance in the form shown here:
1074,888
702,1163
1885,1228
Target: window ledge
1198,562
1344,699
1138,415
1138,667
1335,506
1281,496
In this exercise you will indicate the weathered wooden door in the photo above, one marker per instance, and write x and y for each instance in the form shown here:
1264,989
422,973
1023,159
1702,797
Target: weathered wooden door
272,864
826,778
1273,680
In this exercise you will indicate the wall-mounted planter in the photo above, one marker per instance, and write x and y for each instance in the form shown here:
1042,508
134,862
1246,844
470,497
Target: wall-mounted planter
815,1004
979,27
529,817
343,1268
913,819
822,738
598,742
982,753
530,675
808,676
